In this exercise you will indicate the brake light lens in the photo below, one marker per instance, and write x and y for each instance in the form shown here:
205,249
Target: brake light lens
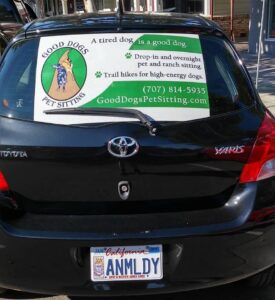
3,183
261,162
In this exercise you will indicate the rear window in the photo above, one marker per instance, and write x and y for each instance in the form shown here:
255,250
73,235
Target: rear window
8,13
169,80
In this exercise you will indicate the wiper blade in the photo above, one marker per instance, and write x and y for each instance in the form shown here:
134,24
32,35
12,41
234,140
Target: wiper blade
109,112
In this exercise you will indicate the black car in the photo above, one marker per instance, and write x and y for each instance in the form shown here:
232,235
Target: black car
136,158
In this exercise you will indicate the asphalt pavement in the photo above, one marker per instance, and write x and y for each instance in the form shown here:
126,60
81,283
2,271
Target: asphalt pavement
228,292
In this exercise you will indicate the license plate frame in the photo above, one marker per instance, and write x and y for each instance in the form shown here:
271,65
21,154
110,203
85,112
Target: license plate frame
126,263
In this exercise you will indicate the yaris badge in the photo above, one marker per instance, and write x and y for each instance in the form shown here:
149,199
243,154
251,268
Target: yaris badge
123,146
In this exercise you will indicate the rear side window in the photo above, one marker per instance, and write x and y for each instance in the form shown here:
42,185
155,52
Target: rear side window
227,85
207,81
8,13
17,80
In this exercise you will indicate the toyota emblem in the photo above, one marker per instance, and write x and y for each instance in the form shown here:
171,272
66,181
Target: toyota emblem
123,146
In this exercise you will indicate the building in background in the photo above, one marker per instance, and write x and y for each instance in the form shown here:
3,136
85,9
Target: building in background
233,16
268,29
48,8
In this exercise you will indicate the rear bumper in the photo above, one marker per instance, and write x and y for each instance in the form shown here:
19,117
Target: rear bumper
208,254
62,267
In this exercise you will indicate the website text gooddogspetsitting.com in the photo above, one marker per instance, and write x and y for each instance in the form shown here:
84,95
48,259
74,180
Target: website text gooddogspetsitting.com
152,101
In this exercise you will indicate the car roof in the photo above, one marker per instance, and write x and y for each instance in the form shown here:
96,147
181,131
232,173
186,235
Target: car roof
112,21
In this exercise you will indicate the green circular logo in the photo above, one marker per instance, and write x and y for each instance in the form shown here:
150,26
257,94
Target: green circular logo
64,74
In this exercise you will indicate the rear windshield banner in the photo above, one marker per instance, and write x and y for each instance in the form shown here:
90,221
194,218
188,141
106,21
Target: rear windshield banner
162,75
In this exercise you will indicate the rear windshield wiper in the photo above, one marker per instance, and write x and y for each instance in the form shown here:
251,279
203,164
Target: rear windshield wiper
109,112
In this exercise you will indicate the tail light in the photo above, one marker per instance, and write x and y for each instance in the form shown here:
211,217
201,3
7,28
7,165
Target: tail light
5,200
261,162
3,183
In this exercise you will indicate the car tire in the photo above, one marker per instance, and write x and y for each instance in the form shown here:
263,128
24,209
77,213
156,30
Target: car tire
263,279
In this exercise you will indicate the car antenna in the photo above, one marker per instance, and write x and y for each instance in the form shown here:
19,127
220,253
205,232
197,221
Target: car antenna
120,7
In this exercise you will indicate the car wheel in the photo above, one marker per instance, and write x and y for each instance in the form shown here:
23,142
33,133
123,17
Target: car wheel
263,279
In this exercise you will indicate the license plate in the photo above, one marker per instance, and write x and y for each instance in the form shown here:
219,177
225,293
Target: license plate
126,263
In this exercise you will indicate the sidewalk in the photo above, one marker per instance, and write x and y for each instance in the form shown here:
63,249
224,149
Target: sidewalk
266,74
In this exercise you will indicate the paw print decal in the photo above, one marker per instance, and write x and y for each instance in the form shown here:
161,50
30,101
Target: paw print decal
98,74
128,55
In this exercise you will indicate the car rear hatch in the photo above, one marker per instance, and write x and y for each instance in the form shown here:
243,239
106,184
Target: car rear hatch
59,169
190,164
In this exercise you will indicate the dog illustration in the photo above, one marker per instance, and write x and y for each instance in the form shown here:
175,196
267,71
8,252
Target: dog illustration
61,76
